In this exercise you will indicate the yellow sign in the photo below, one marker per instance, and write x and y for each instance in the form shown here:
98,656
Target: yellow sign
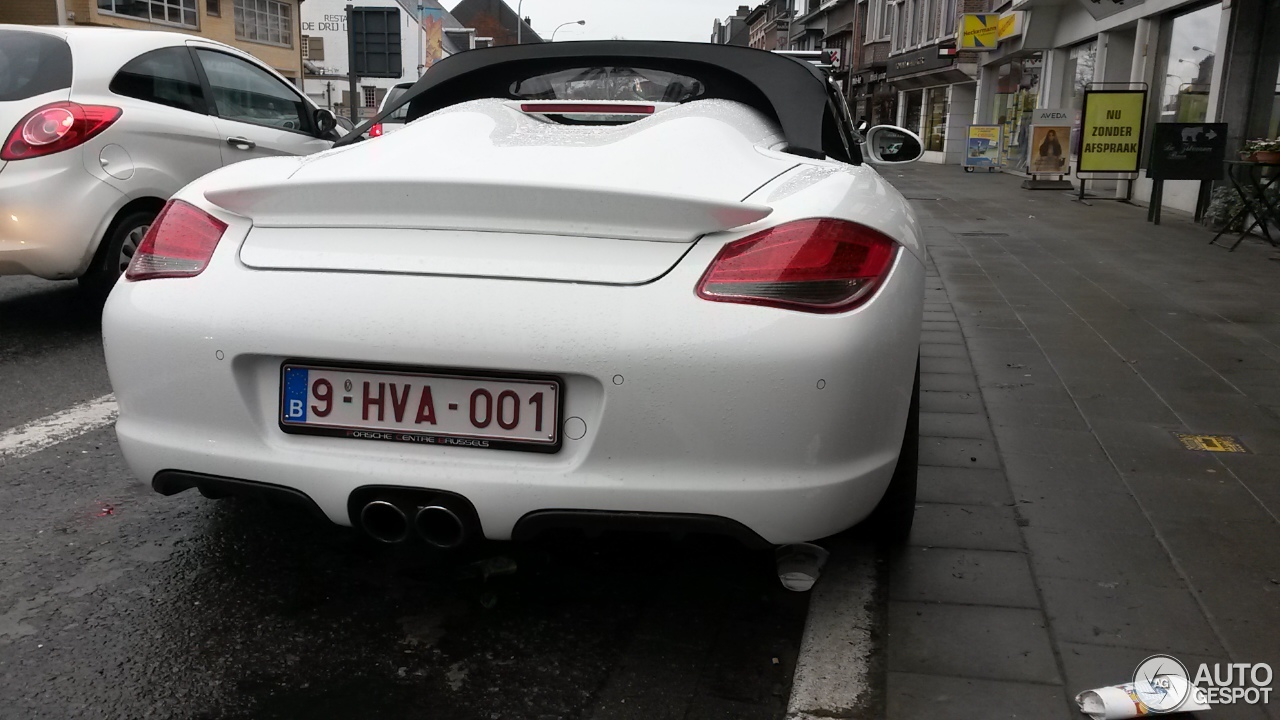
1211,443
1111,131
1009,25
980,31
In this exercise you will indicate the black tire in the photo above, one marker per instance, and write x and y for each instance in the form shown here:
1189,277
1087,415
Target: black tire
890,522
113,256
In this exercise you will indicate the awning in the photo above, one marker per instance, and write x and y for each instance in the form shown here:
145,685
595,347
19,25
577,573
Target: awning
845,28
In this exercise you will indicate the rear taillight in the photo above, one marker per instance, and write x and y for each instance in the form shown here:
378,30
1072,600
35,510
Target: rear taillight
56,127
818,265
179,243
375,130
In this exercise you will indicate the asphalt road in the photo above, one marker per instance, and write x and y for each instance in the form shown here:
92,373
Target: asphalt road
117,602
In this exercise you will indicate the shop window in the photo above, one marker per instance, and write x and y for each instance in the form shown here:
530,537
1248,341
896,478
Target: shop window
1017,93
1188,69
914,105
1081,61
934,129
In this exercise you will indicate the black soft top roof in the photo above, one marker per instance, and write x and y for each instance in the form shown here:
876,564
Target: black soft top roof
795,93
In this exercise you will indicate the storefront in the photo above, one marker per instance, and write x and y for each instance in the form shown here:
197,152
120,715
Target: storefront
873,99
935,99
1198,61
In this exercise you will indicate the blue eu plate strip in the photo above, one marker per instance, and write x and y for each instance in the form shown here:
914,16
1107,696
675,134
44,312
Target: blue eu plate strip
295,394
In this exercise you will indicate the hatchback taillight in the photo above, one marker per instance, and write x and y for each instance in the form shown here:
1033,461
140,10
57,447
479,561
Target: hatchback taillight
818,265
56,127
375,130
179,243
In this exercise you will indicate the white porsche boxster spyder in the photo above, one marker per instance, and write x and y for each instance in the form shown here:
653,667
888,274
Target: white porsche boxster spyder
633,285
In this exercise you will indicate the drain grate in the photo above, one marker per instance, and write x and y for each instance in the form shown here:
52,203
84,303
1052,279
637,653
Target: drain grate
1211,443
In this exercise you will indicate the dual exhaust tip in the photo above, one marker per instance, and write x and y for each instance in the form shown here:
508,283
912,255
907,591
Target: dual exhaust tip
438,525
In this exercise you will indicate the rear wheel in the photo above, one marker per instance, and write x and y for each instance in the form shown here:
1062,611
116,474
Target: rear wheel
891,521
118,249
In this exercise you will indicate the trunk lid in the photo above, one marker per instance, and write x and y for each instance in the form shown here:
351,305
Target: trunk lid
485,190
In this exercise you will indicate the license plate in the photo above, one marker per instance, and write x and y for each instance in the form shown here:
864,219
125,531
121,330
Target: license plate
426,408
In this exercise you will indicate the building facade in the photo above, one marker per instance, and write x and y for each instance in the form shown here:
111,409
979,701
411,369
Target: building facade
769,25
1199,61
266,29
496,21
733,30
434,35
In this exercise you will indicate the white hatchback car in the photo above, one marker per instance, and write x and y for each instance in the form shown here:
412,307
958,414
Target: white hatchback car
686,303
100,126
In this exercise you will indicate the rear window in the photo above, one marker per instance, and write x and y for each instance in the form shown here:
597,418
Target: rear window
402,112
32,64
609,83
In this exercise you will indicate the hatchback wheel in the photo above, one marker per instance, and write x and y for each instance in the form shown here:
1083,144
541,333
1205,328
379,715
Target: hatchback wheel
118,249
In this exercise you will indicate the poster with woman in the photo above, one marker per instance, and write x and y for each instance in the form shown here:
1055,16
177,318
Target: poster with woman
1049,147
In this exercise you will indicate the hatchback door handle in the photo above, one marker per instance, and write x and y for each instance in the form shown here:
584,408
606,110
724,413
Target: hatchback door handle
241,143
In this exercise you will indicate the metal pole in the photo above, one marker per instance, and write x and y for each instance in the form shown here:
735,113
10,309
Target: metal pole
519,21
351,65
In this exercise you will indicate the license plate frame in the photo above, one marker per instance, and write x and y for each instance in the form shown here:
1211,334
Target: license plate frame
435,439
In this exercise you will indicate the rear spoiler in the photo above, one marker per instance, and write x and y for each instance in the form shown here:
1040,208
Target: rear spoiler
493,207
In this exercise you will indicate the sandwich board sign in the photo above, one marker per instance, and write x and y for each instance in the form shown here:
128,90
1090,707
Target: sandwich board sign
1111,131
1050,141
982,147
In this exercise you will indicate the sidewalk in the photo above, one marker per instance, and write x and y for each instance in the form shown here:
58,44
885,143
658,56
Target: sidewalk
1064,532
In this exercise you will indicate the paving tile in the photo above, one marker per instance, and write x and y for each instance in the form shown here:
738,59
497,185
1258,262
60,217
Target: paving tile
1032,391
1056,417
1130,615
954,425
939,316
947,382
970,641
1029,440
942,337
1235,569
915,697
966,527
1197,488
1117,559
963,486
951,402
958,452
952,365
928,349
1065,508
1259,473
940,326
966,577
1149,408
1033,477
1093,666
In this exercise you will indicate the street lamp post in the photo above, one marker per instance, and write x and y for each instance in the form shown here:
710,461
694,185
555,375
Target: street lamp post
576,22
519,22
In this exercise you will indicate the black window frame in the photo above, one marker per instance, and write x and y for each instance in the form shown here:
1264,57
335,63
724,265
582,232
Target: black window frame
308,118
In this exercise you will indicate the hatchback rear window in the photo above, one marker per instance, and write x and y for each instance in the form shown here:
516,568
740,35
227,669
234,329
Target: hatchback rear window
609,83
32,64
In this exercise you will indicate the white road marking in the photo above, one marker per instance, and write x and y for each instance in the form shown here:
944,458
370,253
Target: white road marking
58,427
833,670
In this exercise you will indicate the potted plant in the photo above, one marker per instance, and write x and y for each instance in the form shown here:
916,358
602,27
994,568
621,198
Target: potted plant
1261,150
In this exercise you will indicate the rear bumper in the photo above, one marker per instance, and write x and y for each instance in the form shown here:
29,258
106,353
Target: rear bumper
52,214
787,423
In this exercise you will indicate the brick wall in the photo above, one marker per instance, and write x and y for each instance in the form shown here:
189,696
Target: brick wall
286,60
29,12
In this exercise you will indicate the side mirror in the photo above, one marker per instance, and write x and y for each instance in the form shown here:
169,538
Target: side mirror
325,121
891,145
